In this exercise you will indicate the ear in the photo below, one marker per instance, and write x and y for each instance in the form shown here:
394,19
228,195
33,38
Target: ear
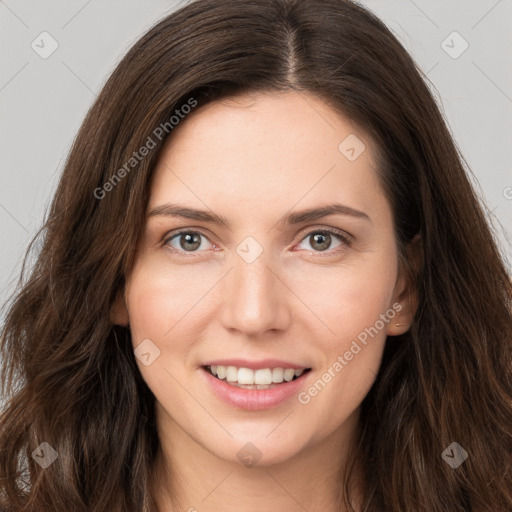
119,312
406,293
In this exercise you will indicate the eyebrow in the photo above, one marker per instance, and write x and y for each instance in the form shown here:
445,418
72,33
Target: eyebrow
176,210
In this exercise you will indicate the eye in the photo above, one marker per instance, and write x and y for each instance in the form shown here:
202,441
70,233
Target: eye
321,240
187,241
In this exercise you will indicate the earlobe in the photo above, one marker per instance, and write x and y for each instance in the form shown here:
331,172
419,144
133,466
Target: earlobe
406,293
402,322
119,312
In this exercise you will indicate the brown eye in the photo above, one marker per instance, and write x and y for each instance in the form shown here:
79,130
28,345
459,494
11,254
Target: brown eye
322,241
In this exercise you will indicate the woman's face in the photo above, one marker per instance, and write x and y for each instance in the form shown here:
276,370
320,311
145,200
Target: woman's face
268,289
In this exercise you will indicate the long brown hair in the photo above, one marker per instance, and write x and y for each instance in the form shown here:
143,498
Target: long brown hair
69,376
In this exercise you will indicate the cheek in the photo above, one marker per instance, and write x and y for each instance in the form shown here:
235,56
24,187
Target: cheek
157,306
349,299
350,361
164,306
158,299
150,311
352,308
351,304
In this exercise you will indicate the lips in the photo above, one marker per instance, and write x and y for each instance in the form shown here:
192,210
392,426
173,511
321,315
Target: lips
261,392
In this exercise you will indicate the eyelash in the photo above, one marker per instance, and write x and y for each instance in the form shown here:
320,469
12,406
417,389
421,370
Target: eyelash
341,235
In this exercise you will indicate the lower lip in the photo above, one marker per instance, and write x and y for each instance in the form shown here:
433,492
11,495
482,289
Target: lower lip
254,399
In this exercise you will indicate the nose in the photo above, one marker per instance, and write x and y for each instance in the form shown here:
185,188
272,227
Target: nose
255,298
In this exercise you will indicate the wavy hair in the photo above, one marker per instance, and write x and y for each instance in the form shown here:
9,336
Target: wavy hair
69,375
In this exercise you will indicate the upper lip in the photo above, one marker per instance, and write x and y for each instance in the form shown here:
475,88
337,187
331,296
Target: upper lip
256,365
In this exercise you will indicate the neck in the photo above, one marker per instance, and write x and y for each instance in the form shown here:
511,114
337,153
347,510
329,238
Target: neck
190,478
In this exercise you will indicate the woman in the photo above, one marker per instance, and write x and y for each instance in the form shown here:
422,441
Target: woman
266,283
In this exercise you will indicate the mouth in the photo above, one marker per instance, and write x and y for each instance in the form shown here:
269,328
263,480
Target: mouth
247,378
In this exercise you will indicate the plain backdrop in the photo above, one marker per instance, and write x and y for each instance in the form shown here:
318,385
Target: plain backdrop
44,100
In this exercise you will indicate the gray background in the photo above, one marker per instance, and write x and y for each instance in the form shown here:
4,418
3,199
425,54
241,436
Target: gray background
43,101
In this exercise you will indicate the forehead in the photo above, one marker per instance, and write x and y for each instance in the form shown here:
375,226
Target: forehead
261,149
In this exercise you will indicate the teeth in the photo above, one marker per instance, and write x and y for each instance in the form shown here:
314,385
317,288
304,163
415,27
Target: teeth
248,377
220,370
263,376
289,374
277,375
231,374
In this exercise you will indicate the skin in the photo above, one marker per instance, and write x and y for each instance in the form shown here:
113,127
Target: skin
252,159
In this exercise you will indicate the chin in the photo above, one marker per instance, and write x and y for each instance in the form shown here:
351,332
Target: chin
259,449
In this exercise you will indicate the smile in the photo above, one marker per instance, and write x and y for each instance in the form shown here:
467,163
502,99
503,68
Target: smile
255,389
263,378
